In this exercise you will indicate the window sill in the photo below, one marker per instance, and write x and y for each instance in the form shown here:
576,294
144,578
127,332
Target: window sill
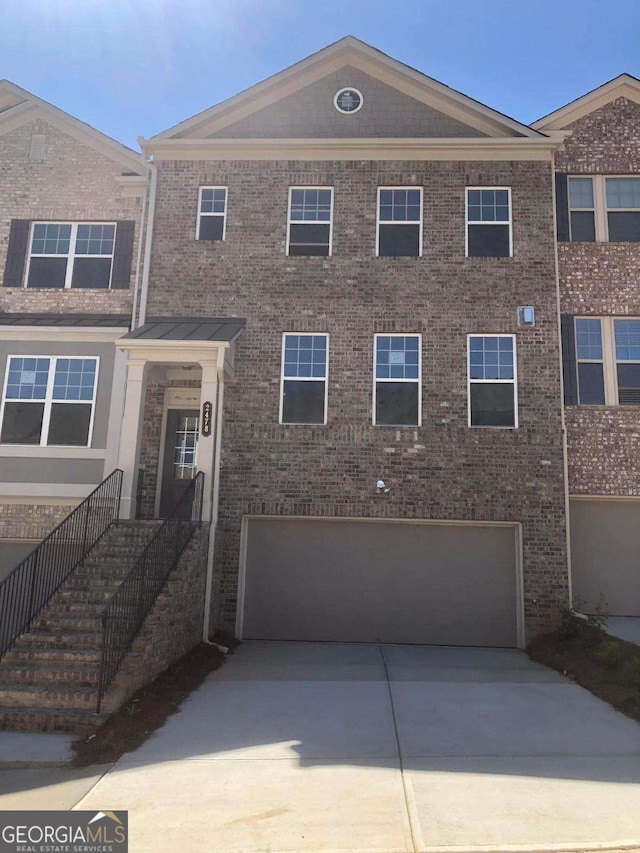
50,451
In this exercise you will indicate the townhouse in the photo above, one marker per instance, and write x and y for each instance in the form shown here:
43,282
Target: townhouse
337,295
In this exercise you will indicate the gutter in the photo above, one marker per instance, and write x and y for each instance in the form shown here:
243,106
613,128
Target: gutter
143,231
144,291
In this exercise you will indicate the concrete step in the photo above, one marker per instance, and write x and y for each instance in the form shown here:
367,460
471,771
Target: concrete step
34,719
39,696
67,675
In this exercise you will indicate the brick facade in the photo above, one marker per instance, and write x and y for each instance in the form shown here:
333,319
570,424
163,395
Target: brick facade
601,279
442,470
30,521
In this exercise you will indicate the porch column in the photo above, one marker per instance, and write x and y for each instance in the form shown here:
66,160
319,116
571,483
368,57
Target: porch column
131,433
207,443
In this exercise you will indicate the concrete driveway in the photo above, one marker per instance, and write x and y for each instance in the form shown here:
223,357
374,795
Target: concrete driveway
322,747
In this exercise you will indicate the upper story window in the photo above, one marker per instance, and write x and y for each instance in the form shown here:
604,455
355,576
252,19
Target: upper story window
212,213
604,209
49,400
397,391
489,222
303,387
492,381
399,230
309,221
64,255
608,361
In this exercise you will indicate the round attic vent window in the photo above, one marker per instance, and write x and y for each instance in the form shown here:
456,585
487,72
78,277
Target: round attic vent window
348,100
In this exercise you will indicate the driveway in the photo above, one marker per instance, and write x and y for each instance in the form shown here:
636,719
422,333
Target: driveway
327,747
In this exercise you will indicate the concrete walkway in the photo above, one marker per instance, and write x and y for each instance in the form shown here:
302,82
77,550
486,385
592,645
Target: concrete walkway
625,627
313,747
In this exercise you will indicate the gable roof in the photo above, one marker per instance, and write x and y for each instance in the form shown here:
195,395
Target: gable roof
18,107
623,86
348,51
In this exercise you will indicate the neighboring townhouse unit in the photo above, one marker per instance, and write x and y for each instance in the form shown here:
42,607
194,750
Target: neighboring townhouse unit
71,204
389,463
598,201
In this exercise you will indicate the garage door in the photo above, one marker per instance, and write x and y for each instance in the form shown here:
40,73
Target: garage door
605,554
380,581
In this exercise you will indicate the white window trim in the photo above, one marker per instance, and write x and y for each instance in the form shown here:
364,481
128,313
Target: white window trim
291,221
70,255
600,209
467,222
223,215
304,378
380,222
513,381
414,381
609,361
49,401
348,89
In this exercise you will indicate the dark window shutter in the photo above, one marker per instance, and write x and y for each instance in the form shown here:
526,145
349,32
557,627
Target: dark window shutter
16,252
122,255
562,207
569,367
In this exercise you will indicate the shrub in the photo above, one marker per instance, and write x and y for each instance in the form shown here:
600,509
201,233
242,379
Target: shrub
609,653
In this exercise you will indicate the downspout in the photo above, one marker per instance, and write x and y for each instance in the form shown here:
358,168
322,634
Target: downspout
143,231
208,595
144,291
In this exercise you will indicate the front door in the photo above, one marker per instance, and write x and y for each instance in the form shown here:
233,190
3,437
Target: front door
180,446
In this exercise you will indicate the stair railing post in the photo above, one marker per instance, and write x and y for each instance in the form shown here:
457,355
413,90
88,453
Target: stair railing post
32,589
86,530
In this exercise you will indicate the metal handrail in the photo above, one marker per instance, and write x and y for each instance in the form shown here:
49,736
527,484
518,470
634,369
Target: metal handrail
36,579
126,611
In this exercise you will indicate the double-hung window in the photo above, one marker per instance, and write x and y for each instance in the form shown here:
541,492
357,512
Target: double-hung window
489,222
399,231
492,381
64,254
397,393
303,387
608,361
212,213
49,400
309,221
604,209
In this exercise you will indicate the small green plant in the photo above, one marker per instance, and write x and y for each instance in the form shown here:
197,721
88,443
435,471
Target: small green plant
568,625
610,653
600,617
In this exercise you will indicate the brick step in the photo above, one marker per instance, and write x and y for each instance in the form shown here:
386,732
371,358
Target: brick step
87,595
33,719
83,640
61,609
67,624
36,655
90,583
69,675
52,696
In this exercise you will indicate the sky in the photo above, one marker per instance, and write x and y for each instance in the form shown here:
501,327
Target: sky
136,67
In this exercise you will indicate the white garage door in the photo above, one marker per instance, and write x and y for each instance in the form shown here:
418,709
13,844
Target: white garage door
380,581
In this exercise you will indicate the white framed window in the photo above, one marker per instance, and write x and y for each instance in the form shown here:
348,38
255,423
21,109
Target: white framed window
71,254
212,213
304,373
310,221
608,360
604,208
49,400
492,381
399,222
488,215
397,380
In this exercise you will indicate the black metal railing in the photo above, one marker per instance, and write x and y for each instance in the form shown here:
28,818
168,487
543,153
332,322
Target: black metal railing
33,582
127,610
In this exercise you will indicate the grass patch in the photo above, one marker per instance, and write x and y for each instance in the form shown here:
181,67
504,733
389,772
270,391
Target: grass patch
148,709
604,665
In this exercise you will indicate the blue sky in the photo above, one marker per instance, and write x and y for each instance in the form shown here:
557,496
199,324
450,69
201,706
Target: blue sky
136,67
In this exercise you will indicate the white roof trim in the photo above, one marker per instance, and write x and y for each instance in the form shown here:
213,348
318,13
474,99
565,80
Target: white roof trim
350,51
624,86
33,107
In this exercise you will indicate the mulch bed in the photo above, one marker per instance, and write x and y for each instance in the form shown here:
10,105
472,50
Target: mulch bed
148,709
605,665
